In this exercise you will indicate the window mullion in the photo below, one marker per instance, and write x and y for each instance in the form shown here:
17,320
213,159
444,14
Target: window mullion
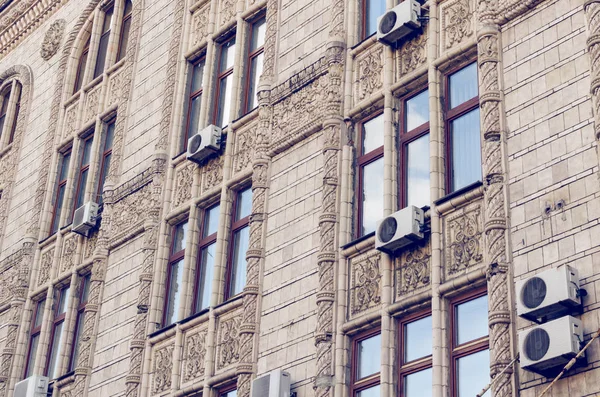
44,339
71,185
208,83
189,264
115,33
94,162
94,43
236,90
9,119
68,329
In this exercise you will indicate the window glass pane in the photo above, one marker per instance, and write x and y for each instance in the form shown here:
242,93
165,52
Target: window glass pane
81,190
473,373
2,118
238,271
258,34
55,350
194,117
417,110
417,339
207,262
472,320
32,353
110,134
197,75
128,8
174,293
64,168
124,40
14,124
256,69
372,195
232,393
101,57
466,150
419,384
211,220
81,67
77,340
368,362
63,301
373,10
87,149
227,55
225,91
463,85
107,20
371,392
58,208
372,134
179,238
105,169
244,204
39,313
417,172
85,289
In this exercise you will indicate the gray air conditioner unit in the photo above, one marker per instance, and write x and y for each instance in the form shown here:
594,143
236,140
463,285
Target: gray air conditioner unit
274,384
85,218
399,229
551,345
34,386
399,22
549,294
204,144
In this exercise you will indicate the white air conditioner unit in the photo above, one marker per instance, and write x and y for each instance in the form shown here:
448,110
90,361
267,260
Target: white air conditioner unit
85,218
551,345
399,22
34,386
204,144
274,384
549,294
400,229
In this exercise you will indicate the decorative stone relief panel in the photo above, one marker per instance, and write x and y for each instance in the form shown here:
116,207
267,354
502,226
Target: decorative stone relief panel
184,178
91,103
412,54
162,368
115,87
131,211
458,22
53,38
14,277
463,238
368,72
200,25
244,147
90,245
194,354
365,282
226,11
7,163
228,343
68,257
413,269
212,173
71,123
45,266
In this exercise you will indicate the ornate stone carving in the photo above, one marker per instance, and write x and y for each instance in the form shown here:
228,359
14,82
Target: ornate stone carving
463,233
115,87
14,275
131,211
412,54
184,178
91,104
90,245
592,13
413,269
163,367
457,22
226,11
53,38
195,352
68,258
200,25
45,266
212,174
369,72
244,147
365,283
228,343
71,124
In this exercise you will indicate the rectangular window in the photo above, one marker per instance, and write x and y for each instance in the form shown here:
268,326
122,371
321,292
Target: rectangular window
222,111
13,128
371,10
228,392
206,257
34,338
81,66
470,345
194,101
366,363
255,62
125,27
174,283
414,144
106,156
84,288
463,129
61,302
82,174
103,44
240,230
415,356
370,175
61,186
4,110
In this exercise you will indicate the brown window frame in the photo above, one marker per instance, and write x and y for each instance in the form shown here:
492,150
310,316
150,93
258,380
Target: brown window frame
84,284
202,244
222,75
13,127
362,160
452,114
106,153
359,385
33,332
124,21
191,97
467,348
404,139
104,35
174,257
81,66
414,366
223,390
58,319
4,107
81,169
61,183
250,57
236,226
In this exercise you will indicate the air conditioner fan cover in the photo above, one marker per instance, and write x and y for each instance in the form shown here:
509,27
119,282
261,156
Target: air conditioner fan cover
388,22
195,143
537,343
533,292
387,229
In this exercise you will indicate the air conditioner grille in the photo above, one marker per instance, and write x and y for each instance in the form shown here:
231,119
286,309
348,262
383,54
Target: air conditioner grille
78,216
261,386
387,229
537,344
388,22
195,143
534,292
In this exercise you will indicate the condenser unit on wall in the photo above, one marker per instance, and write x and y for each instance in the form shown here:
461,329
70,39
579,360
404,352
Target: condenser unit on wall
34,386
204,144
551,345
85,218
274,384
400,229
549,294
399,22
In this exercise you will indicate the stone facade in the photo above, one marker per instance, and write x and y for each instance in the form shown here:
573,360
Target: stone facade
311,287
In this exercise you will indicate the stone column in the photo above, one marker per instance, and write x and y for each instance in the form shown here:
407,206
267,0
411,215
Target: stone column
592,14
497,253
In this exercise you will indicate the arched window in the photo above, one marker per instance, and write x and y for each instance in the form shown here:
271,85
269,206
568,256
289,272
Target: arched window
9,112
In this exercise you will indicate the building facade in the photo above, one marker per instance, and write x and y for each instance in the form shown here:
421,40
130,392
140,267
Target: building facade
200,277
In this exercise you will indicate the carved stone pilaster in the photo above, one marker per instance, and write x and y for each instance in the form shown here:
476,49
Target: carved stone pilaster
592,14
496,249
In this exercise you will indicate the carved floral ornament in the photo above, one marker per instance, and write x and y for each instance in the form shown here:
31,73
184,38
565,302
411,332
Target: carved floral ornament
365,282
228,343
464,239
195,352
183,184
53,39
413,269
412,54
369,72
200,25
457,22
163,367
